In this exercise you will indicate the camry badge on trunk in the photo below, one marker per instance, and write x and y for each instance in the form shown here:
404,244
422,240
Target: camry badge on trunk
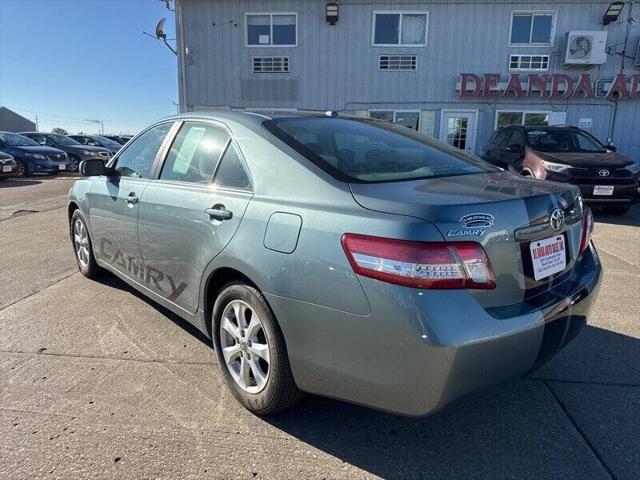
556,220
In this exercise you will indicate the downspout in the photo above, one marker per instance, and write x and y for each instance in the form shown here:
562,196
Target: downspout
614,114
182,86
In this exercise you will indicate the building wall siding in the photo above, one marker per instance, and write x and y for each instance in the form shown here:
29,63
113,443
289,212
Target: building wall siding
336,67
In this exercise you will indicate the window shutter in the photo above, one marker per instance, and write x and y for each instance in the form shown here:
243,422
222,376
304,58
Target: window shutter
427,122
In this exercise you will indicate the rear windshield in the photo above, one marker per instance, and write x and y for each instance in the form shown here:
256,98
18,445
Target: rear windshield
563,141
369,151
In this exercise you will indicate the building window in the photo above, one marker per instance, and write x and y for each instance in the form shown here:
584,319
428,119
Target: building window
271,29
397,62
406,118
528,119
270,64
536,63
532,28
403,29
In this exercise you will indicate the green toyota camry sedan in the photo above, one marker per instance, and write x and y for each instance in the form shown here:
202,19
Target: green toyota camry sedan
340,256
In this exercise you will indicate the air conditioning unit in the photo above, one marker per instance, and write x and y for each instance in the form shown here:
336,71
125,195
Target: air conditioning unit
585,47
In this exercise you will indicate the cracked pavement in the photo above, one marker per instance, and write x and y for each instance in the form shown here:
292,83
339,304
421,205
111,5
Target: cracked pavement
97,382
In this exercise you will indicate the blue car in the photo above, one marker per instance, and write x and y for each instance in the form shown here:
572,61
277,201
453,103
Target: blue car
31,157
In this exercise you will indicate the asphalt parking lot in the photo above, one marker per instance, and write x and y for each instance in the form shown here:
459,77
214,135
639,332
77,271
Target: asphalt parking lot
97,382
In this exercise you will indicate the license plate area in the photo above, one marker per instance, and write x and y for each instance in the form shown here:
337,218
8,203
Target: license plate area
61,166
6,168
548,256
603,190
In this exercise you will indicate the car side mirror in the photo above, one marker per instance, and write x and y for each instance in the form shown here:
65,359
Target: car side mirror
93,168
611,148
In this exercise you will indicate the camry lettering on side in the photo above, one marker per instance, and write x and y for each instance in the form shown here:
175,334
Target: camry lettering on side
151,277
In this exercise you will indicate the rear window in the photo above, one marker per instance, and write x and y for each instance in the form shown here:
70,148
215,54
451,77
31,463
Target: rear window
369,151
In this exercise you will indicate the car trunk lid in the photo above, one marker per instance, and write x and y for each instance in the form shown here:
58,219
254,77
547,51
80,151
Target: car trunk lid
502,212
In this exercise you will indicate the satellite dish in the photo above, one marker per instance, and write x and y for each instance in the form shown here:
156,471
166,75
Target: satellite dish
160,29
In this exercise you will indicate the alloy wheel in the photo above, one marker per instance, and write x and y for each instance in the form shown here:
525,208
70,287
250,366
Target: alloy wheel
245,346
81,242
21,169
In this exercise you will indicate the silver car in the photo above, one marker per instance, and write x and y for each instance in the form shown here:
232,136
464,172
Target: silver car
340,256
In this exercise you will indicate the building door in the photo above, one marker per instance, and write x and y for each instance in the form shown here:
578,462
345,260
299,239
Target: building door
458,129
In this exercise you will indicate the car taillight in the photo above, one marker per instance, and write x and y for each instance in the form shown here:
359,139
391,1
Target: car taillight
437,265
587,229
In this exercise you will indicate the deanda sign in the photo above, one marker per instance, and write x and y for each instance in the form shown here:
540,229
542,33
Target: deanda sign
558,85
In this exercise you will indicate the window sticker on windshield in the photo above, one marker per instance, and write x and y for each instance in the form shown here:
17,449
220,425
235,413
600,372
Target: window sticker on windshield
188,149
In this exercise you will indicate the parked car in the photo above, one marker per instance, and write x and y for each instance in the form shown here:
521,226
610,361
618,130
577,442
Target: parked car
568,154
7,166
97,141
75,150
31,157
340,256
116,138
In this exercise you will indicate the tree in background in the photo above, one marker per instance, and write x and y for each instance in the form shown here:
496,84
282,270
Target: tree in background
59,130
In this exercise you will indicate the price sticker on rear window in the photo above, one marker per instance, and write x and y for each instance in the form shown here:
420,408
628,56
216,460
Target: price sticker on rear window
548,257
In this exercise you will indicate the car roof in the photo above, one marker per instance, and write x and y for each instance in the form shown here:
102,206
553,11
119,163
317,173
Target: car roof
553,128
252,118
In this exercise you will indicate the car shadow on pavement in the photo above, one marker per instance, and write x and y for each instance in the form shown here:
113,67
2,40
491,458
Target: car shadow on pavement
546,426
111,280
631,218
8,183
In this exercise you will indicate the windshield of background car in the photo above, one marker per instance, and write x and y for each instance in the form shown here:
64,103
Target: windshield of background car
63,140
107,143
367,151
15,140
563,141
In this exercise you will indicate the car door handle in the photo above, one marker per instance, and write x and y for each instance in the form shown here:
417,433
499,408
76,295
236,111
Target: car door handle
132,199
219,212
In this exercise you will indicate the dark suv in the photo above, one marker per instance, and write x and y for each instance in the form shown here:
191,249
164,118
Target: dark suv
76,151
568,154
97,141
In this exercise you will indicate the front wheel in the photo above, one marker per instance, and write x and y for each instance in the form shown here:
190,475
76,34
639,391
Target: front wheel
251,351
22,170
74,164
82,246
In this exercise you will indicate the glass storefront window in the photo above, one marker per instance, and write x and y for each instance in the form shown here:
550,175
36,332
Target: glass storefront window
528,119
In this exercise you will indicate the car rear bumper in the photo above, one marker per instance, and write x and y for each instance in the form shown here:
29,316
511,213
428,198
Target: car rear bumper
419,350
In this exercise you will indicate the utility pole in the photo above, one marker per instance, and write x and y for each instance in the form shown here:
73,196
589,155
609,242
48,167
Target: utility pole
37,127
623,57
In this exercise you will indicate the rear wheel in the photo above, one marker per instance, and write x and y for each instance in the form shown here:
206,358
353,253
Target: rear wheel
617,210
82,246
22,170
251,351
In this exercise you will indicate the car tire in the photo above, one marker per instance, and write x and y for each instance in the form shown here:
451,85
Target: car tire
75,163
243,324
22,169
82,247
617,210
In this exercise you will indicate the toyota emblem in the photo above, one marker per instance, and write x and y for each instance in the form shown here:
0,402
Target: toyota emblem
557,219
603,172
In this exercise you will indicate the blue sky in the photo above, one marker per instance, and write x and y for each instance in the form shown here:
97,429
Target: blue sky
69,60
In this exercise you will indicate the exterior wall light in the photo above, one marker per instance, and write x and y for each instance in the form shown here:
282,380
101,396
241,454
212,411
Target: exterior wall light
612,13
332,13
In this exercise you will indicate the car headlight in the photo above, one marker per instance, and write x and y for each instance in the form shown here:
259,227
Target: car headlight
556,167
36,156
634,167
